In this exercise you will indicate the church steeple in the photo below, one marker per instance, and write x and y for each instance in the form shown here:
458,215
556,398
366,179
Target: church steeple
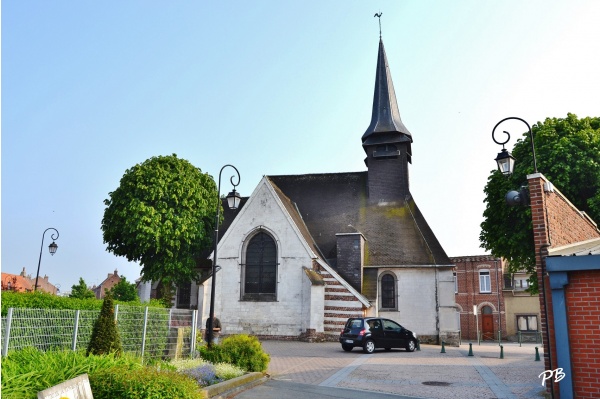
387,142
386,126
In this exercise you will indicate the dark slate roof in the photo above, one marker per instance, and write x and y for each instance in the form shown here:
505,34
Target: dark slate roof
386,125
323,205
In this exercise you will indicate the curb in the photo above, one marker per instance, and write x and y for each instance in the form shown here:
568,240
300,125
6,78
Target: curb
233,385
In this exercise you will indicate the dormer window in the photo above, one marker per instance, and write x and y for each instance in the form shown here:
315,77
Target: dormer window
386,151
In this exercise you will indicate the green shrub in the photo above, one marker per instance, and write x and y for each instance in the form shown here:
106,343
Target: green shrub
183,364
43,300
26,372
226,371
148,382
242,350
105,336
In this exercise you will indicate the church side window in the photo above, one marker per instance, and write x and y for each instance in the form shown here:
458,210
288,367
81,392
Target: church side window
388,292
260,271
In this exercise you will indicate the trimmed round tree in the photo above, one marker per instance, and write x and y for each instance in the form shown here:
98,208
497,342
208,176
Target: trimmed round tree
162,216
105,335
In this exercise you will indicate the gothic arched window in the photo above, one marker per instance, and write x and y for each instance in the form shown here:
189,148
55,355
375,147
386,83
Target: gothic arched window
388,292
260,269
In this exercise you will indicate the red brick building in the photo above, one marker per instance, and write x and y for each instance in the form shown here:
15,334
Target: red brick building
479,298
567,246
25,283
15,282
106,285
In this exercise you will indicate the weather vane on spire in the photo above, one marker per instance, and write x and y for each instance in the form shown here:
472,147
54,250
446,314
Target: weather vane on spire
378,15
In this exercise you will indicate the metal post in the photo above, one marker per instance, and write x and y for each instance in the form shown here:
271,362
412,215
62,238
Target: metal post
211,315
470,349
144,332
501,352
443,347
116,312
500,337
75,329
7,332
194,332
519,334
537,354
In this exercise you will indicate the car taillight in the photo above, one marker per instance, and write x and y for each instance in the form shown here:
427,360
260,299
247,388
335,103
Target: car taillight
362,332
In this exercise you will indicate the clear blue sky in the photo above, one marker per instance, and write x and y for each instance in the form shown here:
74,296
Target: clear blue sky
90,89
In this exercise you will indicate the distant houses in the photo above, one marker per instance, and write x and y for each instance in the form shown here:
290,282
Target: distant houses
25,283
110,281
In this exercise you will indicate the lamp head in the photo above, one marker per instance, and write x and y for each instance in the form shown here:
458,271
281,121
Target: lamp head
506,162
233,200
52,247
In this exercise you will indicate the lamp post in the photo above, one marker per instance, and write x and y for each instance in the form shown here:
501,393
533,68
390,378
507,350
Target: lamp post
505,165
52,248
233,201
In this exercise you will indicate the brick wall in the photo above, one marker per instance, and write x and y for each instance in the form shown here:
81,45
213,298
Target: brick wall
340,304
467,273
583,313
556,222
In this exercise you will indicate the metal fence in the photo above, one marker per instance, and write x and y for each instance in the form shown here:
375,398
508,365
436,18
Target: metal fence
151,333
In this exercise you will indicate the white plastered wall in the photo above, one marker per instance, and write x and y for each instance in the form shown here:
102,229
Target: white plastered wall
292,313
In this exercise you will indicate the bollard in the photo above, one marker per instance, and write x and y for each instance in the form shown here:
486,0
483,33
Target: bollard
501,352
537,354
443,348
470,349
519,338
418,344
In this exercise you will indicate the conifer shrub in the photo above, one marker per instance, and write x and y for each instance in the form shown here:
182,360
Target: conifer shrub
105,335
244,351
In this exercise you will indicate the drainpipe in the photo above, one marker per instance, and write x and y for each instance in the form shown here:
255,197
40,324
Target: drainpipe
499,308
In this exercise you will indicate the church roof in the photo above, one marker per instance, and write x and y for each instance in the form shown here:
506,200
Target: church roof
386,126
323,205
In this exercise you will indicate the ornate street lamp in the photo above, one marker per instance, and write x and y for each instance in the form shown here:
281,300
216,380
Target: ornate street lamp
504,159
506,163
233,201
52,248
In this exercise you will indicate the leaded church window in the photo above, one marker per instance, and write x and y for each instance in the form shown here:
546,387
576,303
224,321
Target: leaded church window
260,277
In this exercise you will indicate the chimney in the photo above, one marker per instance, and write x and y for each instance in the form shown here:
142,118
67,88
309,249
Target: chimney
350,255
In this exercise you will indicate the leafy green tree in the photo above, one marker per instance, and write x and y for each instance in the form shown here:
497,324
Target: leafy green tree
81,291
162,216
124,291
568,154
105,335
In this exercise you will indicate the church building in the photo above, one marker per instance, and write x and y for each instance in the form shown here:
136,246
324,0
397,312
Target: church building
304,253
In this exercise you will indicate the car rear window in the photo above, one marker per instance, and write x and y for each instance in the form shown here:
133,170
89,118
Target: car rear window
354,323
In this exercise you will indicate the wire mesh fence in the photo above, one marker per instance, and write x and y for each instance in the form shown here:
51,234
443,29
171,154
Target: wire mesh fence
151,333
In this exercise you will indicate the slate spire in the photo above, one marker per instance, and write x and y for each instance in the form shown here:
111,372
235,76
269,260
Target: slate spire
386,126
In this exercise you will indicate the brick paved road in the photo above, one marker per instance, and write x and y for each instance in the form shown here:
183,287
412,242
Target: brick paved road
424,374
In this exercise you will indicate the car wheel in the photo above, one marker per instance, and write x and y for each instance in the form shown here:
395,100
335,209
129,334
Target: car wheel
347,348
411,346
369,346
